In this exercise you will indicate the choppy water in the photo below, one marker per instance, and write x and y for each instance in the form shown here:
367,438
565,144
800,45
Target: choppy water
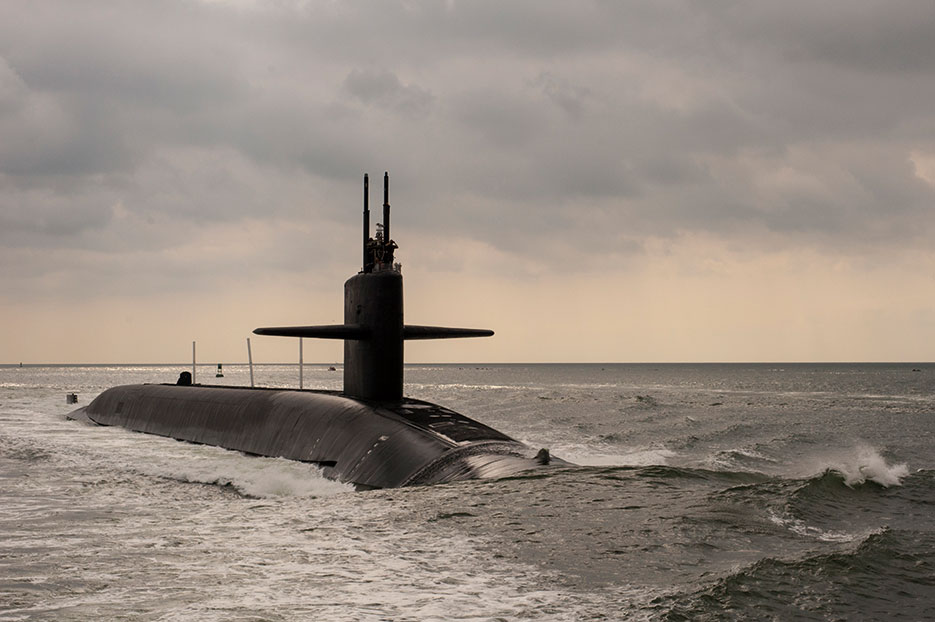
707,492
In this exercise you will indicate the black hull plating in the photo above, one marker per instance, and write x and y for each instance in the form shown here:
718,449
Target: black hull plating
368,444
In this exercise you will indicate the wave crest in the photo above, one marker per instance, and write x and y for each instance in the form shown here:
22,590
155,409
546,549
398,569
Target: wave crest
867,464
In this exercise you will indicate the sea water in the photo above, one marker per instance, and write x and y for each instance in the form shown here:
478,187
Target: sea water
713,492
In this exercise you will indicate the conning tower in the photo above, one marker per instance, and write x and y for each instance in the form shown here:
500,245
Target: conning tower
373,329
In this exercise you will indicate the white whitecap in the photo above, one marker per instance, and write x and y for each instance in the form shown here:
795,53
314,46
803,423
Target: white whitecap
859,465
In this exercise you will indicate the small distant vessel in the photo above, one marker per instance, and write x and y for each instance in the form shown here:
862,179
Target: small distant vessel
368,434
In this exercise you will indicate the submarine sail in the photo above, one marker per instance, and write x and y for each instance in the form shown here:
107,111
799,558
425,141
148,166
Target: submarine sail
369,434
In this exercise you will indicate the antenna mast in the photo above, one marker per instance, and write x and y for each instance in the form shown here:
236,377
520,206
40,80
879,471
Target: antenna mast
386,208
366,218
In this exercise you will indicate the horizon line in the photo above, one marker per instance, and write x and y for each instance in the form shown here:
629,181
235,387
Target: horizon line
336,364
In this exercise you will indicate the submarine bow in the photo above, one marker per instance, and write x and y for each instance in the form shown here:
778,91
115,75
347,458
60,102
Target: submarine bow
368,434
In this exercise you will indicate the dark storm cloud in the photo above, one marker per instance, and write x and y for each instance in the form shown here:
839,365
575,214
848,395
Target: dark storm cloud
531,122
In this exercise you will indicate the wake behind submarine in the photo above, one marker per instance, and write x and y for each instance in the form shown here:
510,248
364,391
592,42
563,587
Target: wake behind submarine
368,434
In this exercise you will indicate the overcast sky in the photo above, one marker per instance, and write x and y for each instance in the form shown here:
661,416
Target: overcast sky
595,181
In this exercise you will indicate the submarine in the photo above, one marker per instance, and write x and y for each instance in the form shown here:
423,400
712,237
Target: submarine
369,434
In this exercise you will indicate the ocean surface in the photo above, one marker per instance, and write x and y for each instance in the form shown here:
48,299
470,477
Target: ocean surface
704,492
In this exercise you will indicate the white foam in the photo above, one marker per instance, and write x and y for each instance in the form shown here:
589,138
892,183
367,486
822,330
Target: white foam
587,455
749,453
121,450
862,464
800,527
251,475
733,459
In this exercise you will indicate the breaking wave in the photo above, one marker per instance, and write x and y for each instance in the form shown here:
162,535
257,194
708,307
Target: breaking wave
866,464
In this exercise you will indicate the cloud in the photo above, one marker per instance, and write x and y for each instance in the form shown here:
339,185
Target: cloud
567,96
923,165
383,88
560,137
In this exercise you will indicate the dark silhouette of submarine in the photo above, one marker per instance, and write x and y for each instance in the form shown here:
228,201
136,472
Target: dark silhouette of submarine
368,434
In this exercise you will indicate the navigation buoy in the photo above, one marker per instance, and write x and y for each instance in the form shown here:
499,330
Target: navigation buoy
220,373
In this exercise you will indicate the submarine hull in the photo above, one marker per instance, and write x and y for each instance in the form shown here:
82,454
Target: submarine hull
366,443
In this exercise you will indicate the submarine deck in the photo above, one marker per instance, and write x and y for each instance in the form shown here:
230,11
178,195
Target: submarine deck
422,414
372,444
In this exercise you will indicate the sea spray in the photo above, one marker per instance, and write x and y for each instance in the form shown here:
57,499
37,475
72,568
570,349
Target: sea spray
866,464
123,451
251,476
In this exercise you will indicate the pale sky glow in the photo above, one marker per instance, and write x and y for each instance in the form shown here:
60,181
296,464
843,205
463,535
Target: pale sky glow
663,181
